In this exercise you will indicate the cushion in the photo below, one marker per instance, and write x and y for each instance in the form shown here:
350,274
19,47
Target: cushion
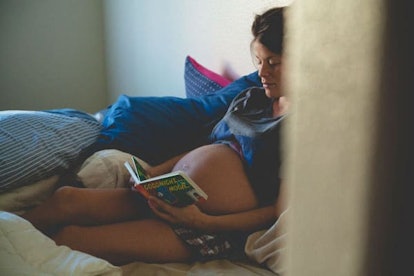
105,169
158,128
200,80
37,144
21,199
26,251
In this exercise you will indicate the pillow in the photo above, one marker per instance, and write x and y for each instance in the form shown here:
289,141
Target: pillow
21,199
105,169
26,251
201,81
158,128
38,144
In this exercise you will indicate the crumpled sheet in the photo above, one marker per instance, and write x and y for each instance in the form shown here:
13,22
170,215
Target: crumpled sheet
26,251
269,246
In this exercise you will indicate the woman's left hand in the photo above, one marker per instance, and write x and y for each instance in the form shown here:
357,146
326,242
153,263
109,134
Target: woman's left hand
190,216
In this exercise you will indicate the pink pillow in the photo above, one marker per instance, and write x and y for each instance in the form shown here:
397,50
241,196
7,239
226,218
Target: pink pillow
201,81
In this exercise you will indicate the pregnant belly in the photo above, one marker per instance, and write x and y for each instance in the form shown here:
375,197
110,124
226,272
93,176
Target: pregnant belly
218,170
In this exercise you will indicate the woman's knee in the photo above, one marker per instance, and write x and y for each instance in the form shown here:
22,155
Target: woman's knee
66,199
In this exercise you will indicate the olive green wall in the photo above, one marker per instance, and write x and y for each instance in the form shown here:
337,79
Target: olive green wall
52,55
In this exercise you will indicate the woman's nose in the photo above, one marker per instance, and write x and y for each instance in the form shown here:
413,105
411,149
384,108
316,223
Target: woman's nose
263,71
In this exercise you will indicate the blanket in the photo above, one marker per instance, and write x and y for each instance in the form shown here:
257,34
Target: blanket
20,255
269,246
26,251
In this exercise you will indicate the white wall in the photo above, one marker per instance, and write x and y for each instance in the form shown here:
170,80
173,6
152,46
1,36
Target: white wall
51,55
147,41
83,54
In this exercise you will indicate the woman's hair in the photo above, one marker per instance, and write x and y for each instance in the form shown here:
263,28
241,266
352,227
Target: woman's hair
268,29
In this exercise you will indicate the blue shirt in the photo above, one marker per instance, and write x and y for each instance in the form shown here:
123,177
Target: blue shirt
249,121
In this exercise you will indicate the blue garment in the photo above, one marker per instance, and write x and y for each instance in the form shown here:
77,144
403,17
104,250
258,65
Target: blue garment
249,121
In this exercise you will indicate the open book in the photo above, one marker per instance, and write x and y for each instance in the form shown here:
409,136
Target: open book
175,188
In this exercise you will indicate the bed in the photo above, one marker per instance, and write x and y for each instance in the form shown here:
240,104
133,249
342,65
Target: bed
41,150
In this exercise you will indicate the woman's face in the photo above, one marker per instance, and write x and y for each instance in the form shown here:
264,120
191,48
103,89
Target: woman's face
269,65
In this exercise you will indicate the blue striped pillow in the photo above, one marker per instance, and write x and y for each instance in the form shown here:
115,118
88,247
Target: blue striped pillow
38,144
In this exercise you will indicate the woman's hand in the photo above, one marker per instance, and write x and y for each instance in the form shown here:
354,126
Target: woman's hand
190,216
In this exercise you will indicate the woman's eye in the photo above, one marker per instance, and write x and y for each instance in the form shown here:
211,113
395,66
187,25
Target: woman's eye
274,62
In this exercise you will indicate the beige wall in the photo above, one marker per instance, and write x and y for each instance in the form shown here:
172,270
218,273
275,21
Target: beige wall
52,55
349,141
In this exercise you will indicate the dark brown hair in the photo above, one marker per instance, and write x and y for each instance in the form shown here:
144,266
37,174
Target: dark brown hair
268,29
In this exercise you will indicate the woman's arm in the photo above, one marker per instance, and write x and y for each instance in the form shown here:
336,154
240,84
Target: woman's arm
193,217
250,220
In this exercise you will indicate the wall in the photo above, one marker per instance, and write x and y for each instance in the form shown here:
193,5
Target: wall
350,154
51,55
147,41
83,54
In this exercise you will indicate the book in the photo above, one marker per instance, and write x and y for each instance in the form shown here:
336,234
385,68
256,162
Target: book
175,188
139,170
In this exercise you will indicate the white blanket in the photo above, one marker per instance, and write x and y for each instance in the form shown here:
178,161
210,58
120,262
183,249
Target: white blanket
26,251
269,246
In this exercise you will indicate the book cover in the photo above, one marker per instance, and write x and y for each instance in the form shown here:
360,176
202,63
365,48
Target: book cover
138,169
175,188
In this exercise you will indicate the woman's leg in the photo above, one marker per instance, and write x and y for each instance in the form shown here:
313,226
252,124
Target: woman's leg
81,206
148,240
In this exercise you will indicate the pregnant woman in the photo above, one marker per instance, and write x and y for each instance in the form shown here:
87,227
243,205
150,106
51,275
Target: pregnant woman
239,171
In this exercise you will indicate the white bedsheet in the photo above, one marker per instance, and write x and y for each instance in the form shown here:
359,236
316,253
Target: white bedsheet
26,251
269,246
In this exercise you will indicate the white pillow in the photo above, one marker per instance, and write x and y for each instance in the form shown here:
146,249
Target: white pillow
105,169
21,199
26,251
